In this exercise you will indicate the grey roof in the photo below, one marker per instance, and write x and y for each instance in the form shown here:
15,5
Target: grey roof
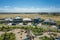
49,20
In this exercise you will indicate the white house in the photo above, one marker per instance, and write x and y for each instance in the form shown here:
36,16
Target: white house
8,19
27,19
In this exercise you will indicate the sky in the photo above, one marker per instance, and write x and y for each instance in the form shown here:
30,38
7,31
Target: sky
29,5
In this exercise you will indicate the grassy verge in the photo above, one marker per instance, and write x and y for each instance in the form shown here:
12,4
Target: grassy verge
7,36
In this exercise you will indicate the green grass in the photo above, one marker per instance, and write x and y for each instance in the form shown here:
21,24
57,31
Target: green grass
7,36
47,38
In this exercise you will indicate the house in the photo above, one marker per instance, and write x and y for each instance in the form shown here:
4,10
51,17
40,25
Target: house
37,20
17,19
50,21
8,20
27,20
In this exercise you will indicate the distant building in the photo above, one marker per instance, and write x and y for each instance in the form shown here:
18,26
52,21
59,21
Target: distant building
50,21
8,20
17,19
37,20
27,20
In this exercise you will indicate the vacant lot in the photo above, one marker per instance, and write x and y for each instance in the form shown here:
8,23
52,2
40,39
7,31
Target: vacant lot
56,18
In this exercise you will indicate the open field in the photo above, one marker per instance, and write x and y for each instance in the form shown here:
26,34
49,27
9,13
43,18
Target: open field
44,16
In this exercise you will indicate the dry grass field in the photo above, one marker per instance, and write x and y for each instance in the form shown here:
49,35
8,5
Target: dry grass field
56,18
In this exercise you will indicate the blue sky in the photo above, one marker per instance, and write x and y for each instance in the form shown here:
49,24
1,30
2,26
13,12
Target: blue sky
29,5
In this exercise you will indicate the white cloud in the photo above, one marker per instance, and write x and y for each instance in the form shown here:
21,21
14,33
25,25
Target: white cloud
32,9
